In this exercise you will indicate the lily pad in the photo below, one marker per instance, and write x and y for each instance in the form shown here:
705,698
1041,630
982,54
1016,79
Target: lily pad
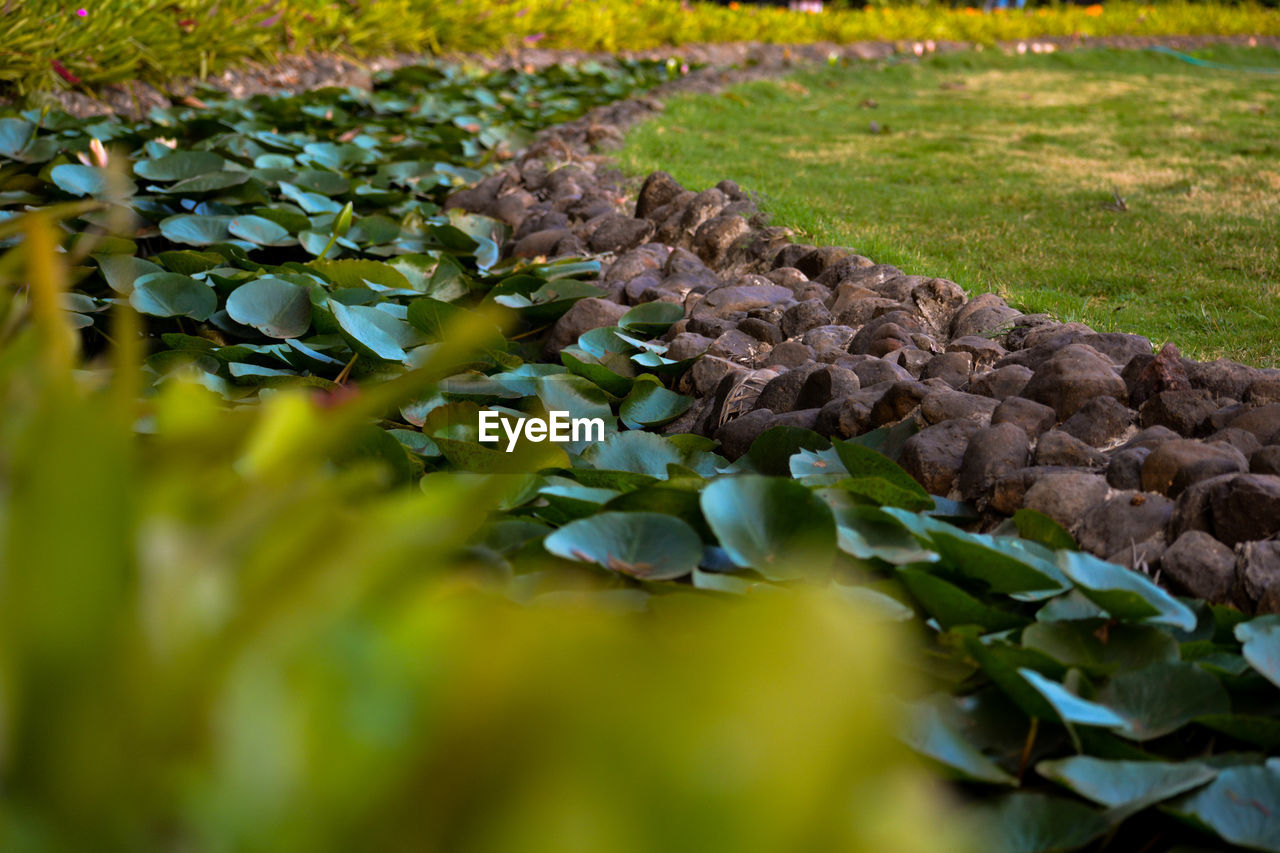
274,307
646,545
776,526
168,294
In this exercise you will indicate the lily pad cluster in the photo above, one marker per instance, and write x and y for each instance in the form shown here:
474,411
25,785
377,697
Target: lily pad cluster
1075,699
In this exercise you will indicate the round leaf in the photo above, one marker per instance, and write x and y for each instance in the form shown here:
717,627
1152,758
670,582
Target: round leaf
646,545
168,294
179,166
775,526
652,318
258,230
276,308
196,229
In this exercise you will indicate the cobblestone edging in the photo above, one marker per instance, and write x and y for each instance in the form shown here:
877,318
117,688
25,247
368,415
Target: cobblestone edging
1151,460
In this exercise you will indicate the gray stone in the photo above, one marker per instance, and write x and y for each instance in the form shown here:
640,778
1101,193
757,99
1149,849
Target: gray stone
1174,465
983,314
1258,575
658,189
938,406
1072,377
1222,378
992,453
1185,411
712,240
1002,383
846,417
952,368
789,354
1066,498
1124,471
726,300
1055,447
761,330
898,402
1243,441
737,346
781,393
1031,417
617,232
1101,421
803,316
1198,565
1265,460
687,345
825,384
873,371
582,316
934,455
1123,520
1232,508
1262,421
984,352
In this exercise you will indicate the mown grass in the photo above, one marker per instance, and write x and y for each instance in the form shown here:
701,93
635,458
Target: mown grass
1000,172
50,43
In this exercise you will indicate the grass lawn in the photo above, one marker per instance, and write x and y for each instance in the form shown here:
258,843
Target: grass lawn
998,172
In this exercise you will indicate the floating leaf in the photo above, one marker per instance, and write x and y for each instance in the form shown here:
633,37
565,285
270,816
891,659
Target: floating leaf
930,734
1131,785
1035,823
179,165
646,545
374,333
777,527
274,307
1102,648
650,404
1261,639
1039,527
1162,698
652,318
121,271
196,229
1069,707
1123,593
1241,805
258,230
168,294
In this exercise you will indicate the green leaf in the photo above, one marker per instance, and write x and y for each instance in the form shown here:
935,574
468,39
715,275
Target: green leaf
1123,593
929,733
79,180
274,307
1039,527
772,450
679,503
121,271
650,404
952,606
14,136
196,229
168,294
1035,823
1069,707
652,318
864,463
1127,785
1261,639
261,231
374,333
639,452
210,183
646,545
355,273
179,166
1162,698
1102,648
997,562
1241,806
776,526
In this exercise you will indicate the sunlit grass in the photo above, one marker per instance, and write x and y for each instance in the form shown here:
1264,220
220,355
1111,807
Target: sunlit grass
1002,173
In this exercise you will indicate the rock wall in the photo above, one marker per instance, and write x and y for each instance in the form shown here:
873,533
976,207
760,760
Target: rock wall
1151,460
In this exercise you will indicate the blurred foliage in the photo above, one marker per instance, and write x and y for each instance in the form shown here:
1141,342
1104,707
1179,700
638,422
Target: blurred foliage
223,633
47,44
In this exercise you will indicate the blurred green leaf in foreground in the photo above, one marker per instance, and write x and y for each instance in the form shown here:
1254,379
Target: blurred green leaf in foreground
221,628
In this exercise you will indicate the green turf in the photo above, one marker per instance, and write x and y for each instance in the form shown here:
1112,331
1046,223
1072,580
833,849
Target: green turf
999,171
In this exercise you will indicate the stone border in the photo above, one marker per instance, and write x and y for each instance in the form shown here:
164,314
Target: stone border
1160,463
